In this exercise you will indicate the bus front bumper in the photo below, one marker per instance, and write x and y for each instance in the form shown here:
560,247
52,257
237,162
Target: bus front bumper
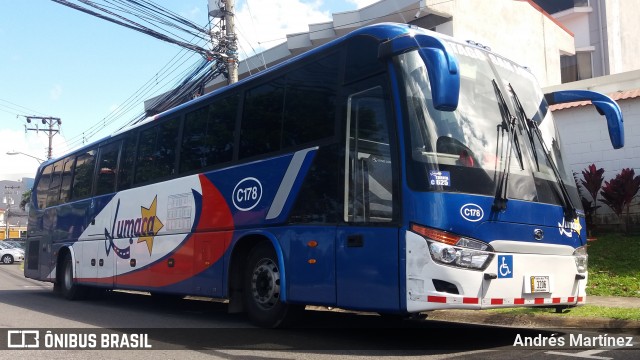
509,280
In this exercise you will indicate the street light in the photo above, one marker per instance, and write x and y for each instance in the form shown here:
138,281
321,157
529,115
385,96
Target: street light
21,153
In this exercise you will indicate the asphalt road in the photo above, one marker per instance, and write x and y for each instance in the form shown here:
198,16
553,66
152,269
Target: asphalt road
199,329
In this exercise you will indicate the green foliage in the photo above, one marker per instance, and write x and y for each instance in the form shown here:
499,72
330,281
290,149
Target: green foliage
26,197
620,191
592,180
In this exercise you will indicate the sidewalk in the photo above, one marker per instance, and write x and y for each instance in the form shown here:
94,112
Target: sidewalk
545,320
614,301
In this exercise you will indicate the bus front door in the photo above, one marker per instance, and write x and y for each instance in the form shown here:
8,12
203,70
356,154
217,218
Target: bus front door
367,241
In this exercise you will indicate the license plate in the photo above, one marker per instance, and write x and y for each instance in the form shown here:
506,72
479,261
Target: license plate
539,284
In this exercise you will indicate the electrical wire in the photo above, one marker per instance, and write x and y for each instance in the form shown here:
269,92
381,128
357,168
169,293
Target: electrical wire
130,24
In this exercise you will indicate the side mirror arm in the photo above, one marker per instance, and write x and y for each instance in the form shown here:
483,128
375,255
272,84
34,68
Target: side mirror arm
603,104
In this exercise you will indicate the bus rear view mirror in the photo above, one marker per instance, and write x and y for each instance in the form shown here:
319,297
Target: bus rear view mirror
441,64
605,106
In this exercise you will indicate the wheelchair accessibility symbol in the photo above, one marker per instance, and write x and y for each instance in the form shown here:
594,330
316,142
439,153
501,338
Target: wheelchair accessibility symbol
505,266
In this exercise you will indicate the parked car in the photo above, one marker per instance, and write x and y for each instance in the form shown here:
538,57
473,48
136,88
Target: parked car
15,242
9,254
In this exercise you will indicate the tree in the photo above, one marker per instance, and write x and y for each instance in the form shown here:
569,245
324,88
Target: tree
620,191
26,197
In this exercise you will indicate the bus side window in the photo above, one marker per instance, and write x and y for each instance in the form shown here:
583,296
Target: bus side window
157,151
261,126
83,175
53,197
67,173
127,160
310,102
107,168
208,135
42,188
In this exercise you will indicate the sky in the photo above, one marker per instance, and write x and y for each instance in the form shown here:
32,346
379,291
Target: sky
94,75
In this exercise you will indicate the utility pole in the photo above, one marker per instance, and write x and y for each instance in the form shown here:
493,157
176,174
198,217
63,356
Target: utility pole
53,127
232,46
225,42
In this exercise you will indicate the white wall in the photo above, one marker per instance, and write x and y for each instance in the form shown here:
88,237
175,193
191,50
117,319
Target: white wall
623,27
585,141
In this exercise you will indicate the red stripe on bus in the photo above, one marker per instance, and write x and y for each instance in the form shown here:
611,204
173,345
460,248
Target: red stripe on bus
470,300
538,300
497,301
519,301
437,299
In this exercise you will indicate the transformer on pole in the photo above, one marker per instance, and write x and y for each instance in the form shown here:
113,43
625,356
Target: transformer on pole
225,41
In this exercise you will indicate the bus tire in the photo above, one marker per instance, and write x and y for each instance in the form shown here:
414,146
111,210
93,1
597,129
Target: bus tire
67,287
262,290
7,259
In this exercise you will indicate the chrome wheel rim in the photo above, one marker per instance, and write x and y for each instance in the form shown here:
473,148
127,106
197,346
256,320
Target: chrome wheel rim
265,284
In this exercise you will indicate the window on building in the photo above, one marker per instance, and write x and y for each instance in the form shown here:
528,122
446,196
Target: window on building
554,6
576,67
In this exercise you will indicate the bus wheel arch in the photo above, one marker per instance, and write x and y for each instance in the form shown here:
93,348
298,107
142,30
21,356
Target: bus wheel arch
256,257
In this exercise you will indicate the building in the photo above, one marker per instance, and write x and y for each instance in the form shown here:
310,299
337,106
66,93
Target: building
511,22
607,60
605,34
13,219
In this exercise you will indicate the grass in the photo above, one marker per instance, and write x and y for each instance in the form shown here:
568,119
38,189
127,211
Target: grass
614,266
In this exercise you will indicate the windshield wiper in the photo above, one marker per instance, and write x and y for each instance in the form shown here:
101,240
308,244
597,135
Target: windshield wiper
527,124
532,128
508,124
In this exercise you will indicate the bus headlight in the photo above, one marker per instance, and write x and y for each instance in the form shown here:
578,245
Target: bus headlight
581,257
450,249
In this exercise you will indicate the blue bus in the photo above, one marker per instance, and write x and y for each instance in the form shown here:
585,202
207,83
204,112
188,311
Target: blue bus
393,170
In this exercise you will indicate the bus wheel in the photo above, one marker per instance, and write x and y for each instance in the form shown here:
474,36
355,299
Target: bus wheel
262,290
7,259
68,287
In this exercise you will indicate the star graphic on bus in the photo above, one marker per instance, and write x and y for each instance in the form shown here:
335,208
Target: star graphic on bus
153,224
576,225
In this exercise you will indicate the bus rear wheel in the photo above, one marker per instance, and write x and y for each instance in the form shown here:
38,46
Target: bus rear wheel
67,286
262,290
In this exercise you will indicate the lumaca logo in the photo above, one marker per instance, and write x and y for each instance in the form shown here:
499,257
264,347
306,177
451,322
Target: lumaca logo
145,228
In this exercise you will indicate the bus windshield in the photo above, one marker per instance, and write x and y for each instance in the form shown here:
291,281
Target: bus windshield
469,149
